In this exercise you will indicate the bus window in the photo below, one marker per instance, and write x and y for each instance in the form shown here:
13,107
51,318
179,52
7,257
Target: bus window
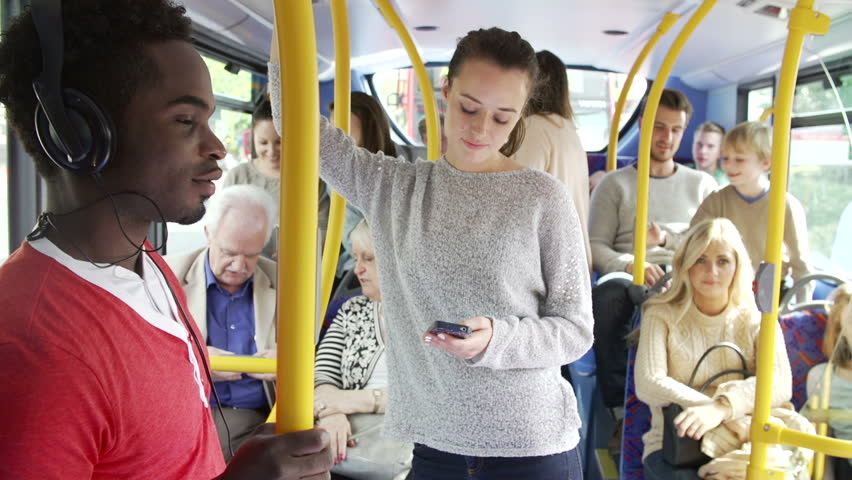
815,97
594,94
398,92
231,122
821,166
820,175
758,100
229,81
4,183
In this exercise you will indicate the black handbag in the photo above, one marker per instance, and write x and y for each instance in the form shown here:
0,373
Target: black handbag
685,451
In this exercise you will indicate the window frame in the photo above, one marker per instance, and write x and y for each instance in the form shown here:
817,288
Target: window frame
810,74
744,89
815,73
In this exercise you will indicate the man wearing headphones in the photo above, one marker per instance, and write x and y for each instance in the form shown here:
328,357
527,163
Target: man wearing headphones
103,372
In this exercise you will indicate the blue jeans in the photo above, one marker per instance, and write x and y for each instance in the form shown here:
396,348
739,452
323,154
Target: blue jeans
657,468
431,464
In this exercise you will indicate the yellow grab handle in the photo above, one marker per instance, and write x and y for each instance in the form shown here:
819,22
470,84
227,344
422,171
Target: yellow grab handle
433,128
640,233
342,110
227,363
803,21
297,284
665,25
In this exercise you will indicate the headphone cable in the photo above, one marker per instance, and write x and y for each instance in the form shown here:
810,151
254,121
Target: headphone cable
46,219
191,332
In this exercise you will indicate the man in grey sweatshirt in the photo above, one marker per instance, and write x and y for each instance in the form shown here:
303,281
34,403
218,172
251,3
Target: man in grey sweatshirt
675,193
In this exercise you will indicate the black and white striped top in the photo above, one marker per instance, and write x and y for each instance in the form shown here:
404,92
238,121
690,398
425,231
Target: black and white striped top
351,347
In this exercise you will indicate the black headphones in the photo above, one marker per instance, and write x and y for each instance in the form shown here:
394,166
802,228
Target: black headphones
74,132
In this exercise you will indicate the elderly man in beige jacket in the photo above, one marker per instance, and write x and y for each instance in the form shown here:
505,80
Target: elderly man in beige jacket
231,295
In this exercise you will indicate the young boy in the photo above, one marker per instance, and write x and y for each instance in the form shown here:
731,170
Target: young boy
747,157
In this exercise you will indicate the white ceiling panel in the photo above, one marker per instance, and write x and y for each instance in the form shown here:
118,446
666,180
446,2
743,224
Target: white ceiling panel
732,44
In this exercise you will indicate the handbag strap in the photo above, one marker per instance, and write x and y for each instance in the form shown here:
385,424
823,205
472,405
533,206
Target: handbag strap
731,345
743,372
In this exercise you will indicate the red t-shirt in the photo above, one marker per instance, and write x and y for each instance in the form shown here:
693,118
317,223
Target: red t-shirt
90,389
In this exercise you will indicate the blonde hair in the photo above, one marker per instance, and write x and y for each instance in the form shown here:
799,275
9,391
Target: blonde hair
750,136
362,235
835,343
710,127
698,239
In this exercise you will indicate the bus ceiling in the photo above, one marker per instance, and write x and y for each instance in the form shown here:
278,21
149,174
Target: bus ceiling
741,40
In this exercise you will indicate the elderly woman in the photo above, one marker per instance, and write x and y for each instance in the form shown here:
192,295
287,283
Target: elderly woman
351,371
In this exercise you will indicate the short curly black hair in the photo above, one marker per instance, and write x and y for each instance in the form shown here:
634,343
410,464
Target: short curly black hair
104,58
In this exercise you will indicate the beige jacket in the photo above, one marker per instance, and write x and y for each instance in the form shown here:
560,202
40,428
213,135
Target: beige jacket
189,270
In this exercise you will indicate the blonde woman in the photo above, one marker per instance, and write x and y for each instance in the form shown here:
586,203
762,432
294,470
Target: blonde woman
710,301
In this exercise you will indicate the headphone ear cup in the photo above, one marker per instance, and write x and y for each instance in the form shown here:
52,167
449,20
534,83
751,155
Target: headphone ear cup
94,131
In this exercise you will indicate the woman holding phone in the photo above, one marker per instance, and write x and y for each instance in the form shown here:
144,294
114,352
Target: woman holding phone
477,239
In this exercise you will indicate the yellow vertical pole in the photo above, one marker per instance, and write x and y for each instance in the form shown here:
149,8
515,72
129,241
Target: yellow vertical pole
433,128
823,402
342,109
297,47
640,233
665,25
803,21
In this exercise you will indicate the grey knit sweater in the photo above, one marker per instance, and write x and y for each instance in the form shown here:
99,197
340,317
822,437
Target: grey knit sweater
452,245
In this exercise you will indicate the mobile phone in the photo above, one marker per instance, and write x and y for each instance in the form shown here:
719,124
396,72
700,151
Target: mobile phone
454,329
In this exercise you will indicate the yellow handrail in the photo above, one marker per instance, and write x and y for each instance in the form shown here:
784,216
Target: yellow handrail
640,233
822,402
227,363
297,283
433,129
342,109
803,21
665,25
764,117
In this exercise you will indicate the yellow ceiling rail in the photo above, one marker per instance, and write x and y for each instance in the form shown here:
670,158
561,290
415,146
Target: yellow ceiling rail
665,25
804,20
433,128
235,363
342,110
640,233
297,283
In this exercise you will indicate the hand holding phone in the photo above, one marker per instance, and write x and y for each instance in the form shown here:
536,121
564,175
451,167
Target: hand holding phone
465,341
454,329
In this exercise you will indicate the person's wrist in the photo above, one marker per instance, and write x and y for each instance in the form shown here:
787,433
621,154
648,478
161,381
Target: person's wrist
377,397
724,406
320,411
